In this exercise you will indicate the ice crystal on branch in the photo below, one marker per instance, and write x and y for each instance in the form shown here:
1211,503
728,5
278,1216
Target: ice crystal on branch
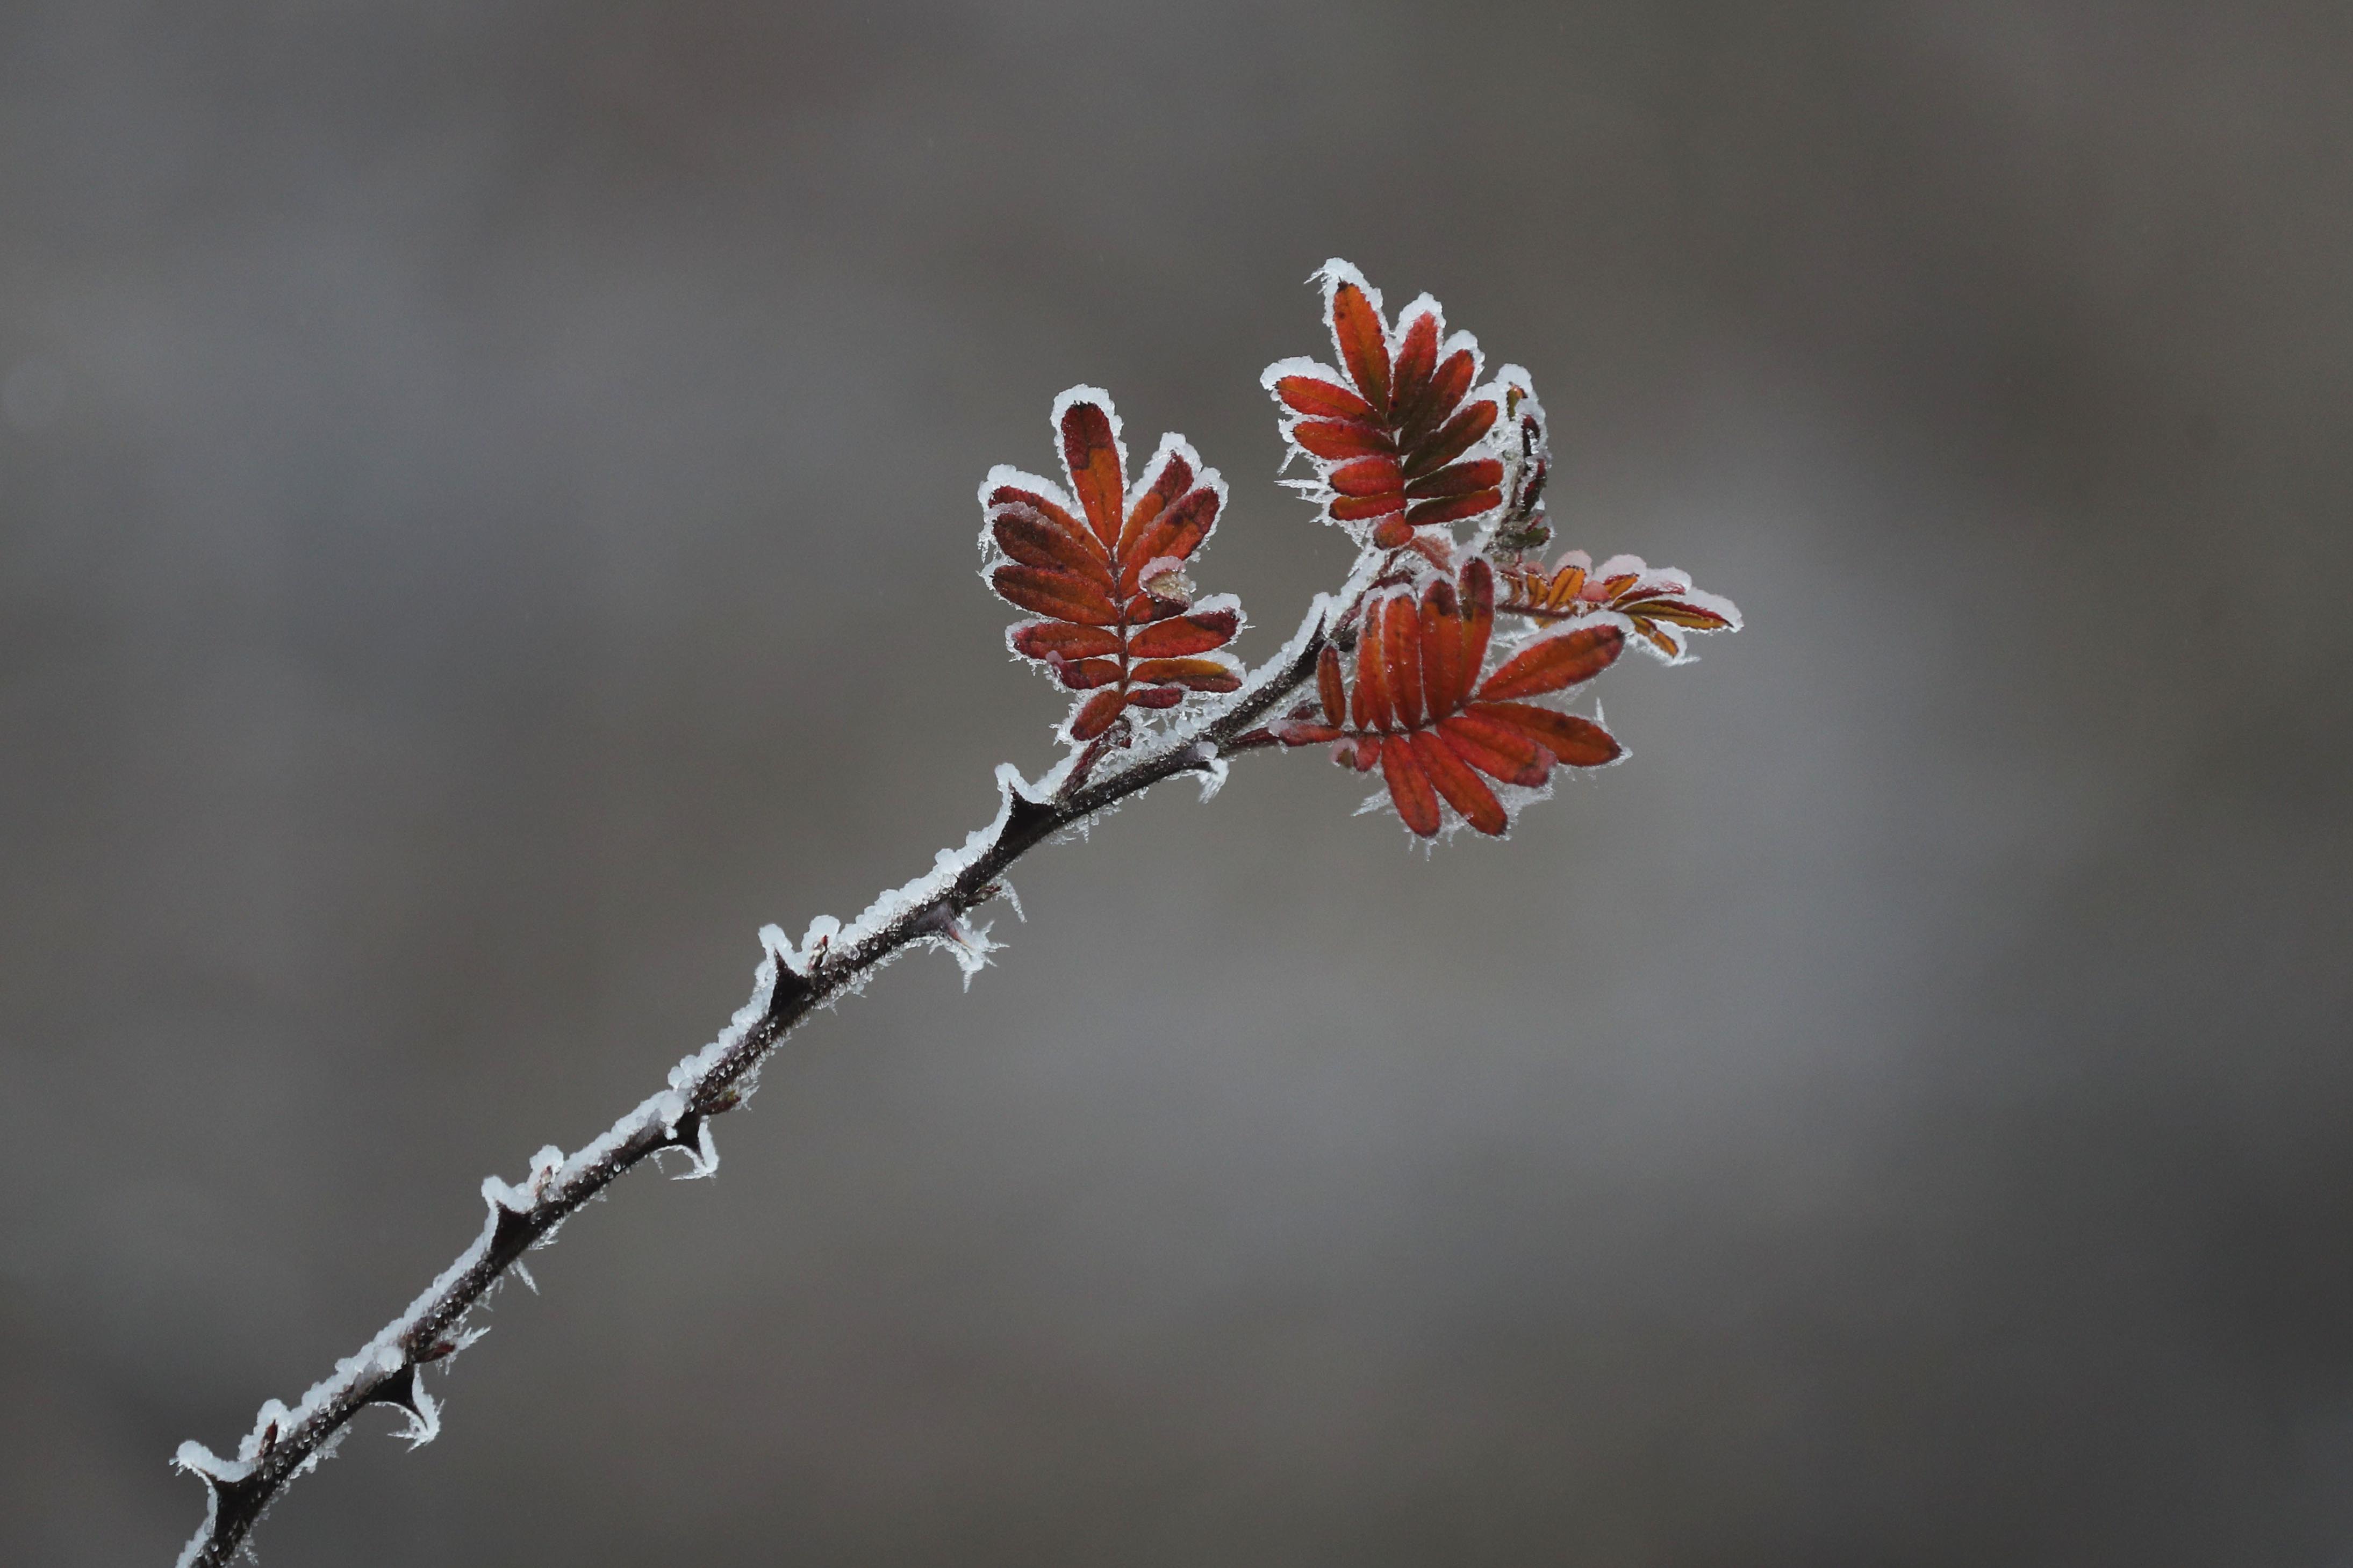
1106,572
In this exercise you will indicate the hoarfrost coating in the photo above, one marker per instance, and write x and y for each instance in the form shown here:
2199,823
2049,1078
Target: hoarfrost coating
1403,668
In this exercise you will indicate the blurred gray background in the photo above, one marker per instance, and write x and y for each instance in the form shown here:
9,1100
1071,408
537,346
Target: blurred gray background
486,521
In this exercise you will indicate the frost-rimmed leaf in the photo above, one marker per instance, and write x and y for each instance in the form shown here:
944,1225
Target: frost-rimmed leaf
1656,605
1524,438
1451,737
1400,435
1101,563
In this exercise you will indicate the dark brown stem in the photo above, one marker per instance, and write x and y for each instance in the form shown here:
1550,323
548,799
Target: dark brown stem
288,1443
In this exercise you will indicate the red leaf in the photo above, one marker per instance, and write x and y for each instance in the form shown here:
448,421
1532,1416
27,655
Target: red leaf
1408,423
1446,388
1683,614
1175,637
1340,438
1459,784
1441,650
1058,594
1175,477
1194,674
1086,674
1044,639
1031,540
1094,716
1401,659
1119,616
1459,435
1178,531
1555,663
1657,638
1452,509
1328,686
1357,508
1478,624
1410,787
1499,751
1417,360
1458,480
1366,477
1430,548
1372,702
1364,347
1091,454
1052,511
1321,399
1578,742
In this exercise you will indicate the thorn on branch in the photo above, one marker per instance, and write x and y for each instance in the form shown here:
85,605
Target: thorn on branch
511,1234
398,1389
791,990
1027,819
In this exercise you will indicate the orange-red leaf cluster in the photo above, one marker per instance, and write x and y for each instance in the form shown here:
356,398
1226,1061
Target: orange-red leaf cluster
1103,567
1417,701
1397,436
1660,605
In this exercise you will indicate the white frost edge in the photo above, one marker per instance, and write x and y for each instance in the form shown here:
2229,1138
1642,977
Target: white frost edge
1172,446
1330,278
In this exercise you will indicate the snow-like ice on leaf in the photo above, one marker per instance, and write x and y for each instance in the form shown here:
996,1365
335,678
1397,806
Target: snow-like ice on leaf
1400,434
1102,564
1456,739
1657,605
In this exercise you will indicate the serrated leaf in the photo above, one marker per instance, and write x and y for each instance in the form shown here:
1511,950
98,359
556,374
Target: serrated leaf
1193,674
1399,409
1095,714
1321,399
1090,456
1576,742
1105,565
1555,663
1409,788
1179,635
1058,594
1460,787
1045,641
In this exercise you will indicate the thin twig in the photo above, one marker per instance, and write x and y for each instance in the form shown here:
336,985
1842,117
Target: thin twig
832,962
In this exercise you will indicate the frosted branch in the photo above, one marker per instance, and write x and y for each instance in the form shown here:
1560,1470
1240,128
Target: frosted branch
830,961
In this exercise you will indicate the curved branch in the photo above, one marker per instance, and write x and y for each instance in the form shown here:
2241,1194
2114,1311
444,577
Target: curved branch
832,962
